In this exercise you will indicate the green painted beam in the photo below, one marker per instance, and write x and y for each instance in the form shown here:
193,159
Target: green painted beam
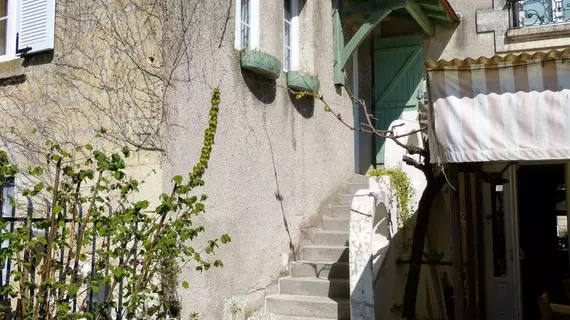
366,29
421,18
338,38
398,76
431,4
397,50
361,8
436,14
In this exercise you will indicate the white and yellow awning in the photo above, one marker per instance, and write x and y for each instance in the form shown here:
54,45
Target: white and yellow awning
511,108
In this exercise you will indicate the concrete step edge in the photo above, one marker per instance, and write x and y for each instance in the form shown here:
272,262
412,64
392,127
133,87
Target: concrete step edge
322,246
313,279
320,262
300,298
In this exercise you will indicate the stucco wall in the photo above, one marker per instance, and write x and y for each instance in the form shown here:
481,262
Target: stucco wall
268,146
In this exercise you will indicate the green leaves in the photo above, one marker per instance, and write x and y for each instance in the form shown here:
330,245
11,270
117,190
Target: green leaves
177,179
225,239
126,151
119,273
73,289
57,209
91,202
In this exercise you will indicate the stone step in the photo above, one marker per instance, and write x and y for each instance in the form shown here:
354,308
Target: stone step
353,187
308,306
340,211
324,253
336,224
358,178
334,288
323,270
285,317
330,238
346,199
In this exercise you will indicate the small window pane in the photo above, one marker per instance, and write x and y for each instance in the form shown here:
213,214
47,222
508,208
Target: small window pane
245,23
3,25
3,37
244,36
287,10
245,11
3,7
287,15
287,58
287,34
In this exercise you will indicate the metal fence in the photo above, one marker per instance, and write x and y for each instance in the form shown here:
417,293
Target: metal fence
88,302
529,13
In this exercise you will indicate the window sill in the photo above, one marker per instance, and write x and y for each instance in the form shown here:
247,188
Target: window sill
539,32
260,63
299,81
11,68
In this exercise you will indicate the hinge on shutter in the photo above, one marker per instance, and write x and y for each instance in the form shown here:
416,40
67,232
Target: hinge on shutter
21,51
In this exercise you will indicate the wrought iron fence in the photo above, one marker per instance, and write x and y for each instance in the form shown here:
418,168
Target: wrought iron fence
90,300
528,13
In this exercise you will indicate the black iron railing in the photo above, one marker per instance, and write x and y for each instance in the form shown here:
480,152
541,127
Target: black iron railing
89,301
529,13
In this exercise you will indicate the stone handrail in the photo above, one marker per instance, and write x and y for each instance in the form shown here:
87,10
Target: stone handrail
372,210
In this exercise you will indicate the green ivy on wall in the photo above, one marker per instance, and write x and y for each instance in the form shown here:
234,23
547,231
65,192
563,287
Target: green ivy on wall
402,186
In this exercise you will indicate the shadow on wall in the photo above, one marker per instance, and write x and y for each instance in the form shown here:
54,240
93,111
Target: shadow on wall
37,59
263,89
305,106
389,286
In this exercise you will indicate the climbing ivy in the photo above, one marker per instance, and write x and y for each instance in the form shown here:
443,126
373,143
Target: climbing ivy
132,247
402,186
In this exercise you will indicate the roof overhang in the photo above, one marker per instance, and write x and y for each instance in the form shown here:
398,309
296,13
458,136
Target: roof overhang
426,13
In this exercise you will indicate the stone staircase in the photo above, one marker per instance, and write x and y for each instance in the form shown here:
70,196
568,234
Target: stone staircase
318,286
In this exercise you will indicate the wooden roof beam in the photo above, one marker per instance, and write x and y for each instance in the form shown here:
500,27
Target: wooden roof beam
420,16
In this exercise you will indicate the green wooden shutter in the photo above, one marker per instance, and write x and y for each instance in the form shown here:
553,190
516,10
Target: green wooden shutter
398,72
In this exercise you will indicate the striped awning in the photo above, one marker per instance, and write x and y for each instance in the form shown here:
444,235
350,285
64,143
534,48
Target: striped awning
502,110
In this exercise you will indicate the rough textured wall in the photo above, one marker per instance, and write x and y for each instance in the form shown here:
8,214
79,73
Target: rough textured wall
463,40
268,147
99,75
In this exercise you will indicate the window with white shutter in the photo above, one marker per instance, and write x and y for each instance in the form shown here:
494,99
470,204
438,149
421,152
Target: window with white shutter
26,26
36,27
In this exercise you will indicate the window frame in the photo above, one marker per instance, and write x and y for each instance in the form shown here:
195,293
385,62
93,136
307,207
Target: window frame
293,37
253,25
13,17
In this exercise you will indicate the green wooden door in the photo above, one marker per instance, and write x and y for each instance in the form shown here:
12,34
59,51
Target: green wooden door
398,72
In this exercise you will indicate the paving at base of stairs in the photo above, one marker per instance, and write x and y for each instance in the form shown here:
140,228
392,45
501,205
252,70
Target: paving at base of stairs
318,286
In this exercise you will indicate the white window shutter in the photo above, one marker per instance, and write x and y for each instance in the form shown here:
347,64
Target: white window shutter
36,27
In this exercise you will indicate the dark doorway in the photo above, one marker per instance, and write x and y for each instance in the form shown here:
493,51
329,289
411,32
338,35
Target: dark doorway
544,261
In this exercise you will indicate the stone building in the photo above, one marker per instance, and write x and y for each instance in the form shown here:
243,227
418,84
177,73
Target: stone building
282,174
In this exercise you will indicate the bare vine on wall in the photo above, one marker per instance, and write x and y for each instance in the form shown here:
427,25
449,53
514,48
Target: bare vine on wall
114,65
